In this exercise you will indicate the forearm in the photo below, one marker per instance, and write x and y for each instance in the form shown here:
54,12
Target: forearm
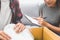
54,28
42,22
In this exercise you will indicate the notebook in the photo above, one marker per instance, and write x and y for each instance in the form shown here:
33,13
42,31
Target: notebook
32,20
24,35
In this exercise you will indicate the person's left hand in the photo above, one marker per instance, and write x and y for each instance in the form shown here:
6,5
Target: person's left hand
19,27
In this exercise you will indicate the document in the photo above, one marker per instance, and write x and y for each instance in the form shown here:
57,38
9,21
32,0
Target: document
24,35
32,20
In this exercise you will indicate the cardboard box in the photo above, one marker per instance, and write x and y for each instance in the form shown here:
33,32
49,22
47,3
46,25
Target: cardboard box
43,33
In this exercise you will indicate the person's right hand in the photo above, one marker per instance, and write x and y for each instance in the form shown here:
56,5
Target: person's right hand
4,36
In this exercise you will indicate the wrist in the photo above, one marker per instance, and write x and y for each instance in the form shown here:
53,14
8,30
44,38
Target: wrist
46,24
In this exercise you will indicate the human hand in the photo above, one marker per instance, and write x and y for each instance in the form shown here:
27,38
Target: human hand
41,21
19,27
4,36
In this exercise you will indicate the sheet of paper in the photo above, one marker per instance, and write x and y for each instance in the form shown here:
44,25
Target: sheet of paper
24,35
32,20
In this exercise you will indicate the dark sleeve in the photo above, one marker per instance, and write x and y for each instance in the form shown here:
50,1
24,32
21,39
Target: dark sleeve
16,11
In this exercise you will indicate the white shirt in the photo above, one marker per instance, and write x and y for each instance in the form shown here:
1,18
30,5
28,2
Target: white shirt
5,13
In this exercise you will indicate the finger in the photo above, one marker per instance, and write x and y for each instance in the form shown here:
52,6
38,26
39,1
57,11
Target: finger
5,35
8,37
17,29
22,28
35,18
16,25
2,38
38,18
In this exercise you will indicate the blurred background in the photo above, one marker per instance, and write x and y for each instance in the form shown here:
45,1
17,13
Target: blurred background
31,1
31,8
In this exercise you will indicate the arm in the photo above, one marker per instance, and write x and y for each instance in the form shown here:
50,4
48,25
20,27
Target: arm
42,22
54,28
46,24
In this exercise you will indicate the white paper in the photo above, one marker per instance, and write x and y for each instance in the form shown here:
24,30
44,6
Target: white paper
24,35
32,20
